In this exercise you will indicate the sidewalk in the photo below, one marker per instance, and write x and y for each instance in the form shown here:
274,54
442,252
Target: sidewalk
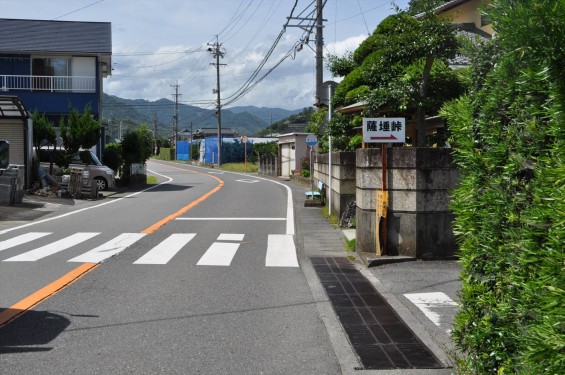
320,239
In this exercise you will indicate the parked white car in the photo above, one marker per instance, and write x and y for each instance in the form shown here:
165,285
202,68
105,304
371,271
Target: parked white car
96,171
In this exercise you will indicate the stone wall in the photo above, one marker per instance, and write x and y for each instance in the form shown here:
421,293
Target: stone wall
418,220
343,178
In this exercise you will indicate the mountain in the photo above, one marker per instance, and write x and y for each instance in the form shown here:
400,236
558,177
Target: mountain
248,120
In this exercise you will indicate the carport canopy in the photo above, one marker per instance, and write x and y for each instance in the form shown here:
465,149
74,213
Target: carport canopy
11,107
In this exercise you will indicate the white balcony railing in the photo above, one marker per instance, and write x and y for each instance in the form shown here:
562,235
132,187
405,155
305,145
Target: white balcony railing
48,83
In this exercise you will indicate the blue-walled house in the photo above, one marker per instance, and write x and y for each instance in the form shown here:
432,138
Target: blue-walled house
50,65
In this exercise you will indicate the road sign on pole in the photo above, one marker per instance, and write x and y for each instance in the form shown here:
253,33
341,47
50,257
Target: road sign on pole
311,140
384,130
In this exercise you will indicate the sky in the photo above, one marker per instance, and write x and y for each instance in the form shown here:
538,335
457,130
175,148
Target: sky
157,44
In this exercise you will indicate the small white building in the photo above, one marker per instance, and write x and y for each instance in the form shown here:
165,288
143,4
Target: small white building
292,150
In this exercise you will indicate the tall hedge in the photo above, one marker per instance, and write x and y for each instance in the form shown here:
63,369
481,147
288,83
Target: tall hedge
509,140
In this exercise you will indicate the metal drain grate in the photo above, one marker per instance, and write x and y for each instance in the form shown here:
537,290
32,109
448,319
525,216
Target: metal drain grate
376,332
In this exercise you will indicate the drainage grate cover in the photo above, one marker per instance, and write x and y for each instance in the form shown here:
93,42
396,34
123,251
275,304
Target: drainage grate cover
376,332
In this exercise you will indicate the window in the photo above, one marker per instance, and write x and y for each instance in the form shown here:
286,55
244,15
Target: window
51,73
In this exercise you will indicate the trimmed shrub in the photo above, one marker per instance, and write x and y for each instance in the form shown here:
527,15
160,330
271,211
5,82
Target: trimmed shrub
509,139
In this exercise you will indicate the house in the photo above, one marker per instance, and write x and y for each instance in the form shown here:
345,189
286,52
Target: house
48,66
470,22
467,15
51,65
15,134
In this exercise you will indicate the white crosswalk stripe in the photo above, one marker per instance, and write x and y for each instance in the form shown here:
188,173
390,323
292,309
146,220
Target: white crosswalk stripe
109,249
432,304
166,250
52,248
221,253
24,238
281,251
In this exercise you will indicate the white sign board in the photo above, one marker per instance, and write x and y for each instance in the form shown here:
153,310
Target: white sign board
311,140
384,130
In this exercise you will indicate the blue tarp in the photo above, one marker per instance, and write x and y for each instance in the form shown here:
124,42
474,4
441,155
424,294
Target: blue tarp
182,150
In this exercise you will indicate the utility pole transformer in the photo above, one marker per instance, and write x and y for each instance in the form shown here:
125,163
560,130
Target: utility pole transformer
216,51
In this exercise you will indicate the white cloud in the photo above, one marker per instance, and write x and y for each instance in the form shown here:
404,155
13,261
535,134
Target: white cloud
154,44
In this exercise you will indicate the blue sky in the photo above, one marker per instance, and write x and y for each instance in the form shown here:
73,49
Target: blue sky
159,43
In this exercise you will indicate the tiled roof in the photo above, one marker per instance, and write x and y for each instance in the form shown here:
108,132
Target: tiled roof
29,36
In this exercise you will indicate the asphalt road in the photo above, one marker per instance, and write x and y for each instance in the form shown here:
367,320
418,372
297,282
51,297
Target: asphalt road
187,277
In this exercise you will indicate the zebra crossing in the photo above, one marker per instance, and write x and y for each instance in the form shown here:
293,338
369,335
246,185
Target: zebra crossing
281,250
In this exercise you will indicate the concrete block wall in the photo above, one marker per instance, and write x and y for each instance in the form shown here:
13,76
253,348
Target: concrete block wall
343,178
418,219
268,165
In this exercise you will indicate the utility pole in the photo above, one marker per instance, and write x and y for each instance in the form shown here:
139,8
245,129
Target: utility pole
319,48
307,24
176,116
190,144
215,49
154,133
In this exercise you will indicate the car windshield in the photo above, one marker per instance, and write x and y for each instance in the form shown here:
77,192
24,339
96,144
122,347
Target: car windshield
89,158
94,159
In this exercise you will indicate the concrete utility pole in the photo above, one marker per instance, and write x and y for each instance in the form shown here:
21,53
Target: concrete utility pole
216,51
307,24
319,48
154,133
176,116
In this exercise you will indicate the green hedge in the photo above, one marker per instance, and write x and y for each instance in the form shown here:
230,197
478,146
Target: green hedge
166,153
509,140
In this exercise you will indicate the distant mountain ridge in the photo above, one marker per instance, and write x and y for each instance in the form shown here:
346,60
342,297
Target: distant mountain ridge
248,120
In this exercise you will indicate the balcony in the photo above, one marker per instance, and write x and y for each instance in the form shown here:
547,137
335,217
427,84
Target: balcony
48,83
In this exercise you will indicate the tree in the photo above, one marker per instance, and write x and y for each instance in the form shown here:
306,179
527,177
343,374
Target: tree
136,148
401,69
282,125
42,130
79,130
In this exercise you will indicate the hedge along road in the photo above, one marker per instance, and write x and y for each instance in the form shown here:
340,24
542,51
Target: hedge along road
18,284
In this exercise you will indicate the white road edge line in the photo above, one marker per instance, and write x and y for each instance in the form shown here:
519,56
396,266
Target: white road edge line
88,208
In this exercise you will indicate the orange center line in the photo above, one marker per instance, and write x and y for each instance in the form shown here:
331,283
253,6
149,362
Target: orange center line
42,294
18,309
160,223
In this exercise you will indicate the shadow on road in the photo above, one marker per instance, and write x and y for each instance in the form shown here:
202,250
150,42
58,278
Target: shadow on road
30,331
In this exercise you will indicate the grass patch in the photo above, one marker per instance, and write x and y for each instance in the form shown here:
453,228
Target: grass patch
240,167
350,245
331,218
151,180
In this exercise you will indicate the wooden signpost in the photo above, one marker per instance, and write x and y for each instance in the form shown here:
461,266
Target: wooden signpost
383,130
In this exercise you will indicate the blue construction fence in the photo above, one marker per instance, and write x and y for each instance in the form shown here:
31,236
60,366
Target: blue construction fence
233,150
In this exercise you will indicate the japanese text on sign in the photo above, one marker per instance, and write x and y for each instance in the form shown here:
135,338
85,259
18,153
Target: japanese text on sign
384,130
